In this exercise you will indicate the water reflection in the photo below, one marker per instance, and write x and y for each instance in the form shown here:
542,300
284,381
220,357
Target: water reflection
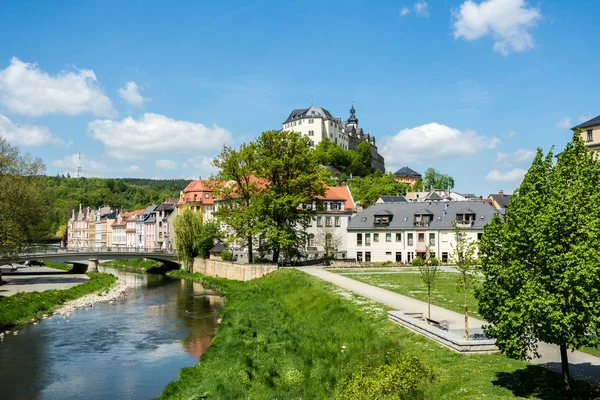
129,349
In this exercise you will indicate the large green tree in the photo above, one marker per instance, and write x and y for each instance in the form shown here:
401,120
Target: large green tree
188,228
293,179
236,208
367,190
541,267
24,205
436,180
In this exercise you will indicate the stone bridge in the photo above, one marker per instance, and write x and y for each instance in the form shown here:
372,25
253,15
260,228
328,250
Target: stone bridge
90,258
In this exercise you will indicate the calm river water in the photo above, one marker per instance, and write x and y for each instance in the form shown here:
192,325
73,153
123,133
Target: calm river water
129,349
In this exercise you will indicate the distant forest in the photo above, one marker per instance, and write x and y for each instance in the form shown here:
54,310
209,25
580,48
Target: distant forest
66,193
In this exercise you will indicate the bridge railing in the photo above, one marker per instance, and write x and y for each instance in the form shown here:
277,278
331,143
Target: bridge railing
73,250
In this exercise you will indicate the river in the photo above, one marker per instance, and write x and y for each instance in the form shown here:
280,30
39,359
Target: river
129,349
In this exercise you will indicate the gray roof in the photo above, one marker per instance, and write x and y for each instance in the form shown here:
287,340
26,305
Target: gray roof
218,248
393,199
405,171
310,112
443,214
166,206
501,199
587,124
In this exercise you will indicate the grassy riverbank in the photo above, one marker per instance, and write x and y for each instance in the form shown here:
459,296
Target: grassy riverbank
55,265
135,265
289,335
21,308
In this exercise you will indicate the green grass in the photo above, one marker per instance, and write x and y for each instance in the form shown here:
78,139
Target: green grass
594,351
358,270
444,293
135,264
21,308
55,265
281,337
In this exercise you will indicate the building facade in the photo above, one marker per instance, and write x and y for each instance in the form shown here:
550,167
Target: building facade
200,196
399,232
165,231
590,133
318,124
408,176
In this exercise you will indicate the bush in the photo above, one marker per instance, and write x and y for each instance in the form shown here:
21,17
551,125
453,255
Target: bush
417,262
226,255
434,261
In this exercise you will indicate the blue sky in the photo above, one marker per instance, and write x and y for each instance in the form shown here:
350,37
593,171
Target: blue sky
154,89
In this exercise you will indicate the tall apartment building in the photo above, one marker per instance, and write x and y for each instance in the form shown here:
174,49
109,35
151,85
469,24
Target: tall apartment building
318,124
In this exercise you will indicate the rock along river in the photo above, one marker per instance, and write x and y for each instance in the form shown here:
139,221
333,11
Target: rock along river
128,349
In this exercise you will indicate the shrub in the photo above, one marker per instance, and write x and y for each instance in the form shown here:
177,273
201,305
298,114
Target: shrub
226,255
434,261
417,262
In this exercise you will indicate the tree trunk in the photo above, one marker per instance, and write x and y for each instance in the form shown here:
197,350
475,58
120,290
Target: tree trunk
250,256
429,302
276,256
466,321
564,359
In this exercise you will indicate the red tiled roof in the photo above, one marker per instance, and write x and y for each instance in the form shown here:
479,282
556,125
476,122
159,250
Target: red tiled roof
339,193
200,189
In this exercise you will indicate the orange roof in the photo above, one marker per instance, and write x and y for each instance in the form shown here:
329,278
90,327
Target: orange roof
197,191
339,193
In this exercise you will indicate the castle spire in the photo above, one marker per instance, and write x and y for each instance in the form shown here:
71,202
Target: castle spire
353,119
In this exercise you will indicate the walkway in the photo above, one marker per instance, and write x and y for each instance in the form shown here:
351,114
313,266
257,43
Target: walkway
38,279
583,366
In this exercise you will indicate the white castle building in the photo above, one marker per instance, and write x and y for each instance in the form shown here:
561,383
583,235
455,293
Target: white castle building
318,124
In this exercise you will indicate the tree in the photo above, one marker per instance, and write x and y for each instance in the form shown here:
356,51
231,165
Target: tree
463,256
436,180
236,210
368,189
329,239
24,205
429,271
188,228
365,155
541,267
293,179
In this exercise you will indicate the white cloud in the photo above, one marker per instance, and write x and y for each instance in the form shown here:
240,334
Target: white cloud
131,94
507,21
422,9
156,134
513,175
432,141
166,164
70,163
132,169
202,165
585,118
404,11
26,89
564,123
509,135
27,135
520,156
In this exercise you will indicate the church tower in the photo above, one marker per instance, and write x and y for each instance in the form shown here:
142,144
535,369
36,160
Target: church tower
353,120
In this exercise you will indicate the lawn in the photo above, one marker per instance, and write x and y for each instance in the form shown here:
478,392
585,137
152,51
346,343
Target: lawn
21,308
444,293
291,336
359,270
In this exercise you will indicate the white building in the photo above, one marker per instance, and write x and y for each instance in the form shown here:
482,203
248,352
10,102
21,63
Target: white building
402,231
328,229
131,229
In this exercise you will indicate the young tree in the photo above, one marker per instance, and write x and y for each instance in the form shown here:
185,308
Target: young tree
436,180
329,239
236,209
188,228
541,267
207,238
429,271
463,256
293,180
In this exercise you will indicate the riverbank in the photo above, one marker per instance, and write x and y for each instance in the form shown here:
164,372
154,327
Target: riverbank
23,308
289,335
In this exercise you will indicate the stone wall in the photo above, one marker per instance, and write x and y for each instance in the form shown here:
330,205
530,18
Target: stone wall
231,270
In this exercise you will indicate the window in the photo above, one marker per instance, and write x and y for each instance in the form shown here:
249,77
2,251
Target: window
376,237
479,236
409,239
388,237
311,133
359,256
432,239
294,123
159,224
312,142
311,240
311,121
388,253
590,136
398,237
359,239
206,195
367,239
421,237
337,221
328,240
432,254
367,256
159,234
300,122
444,256
195,197
319,221
398,257
330,123
336,205
327,221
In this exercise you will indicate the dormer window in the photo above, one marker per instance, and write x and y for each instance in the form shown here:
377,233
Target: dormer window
423,217
465,217
383,218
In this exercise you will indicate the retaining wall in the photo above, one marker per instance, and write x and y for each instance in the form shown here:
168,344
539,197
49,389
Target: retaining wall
231,270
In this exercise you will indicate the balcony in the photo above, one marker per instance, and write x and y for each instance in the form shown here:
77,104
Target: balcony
421,224
464,223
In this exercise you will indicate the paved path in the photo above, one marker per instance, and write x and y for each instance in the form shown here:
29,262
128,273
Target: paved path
583,366
48,278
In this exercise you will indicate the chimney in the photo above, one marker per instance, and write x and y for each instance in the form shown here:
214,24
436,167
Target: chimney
501,192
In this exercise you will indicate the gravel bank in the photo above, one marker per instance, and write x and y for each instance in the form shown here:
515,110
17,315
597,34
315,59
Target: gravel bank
114,293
